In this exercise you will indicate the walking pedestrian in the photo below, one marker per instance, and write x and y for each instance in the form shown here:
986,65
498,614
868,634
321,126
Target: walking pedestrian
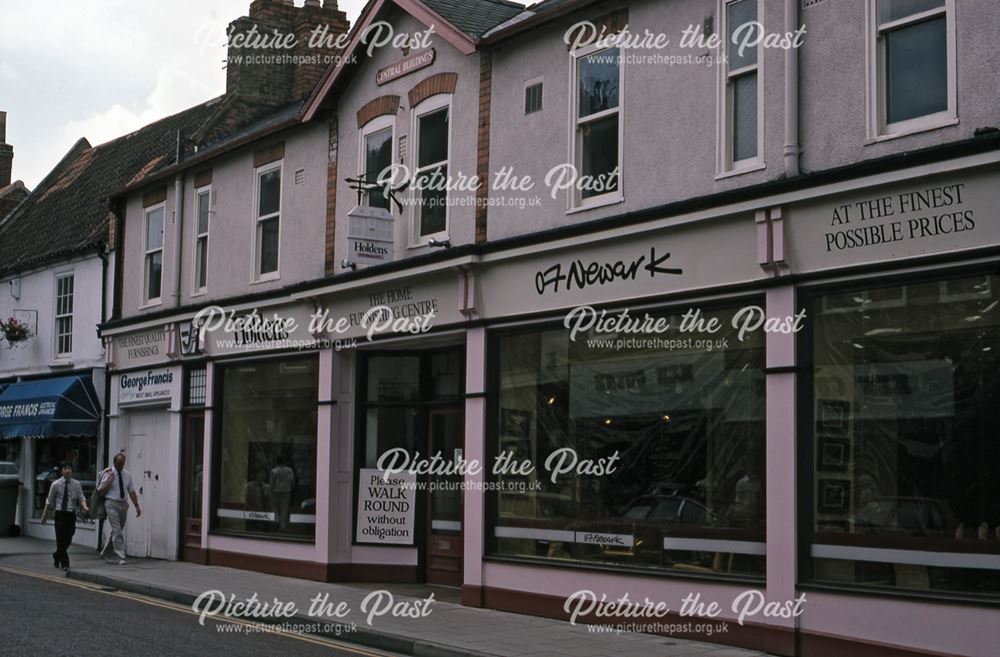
113,483
65,495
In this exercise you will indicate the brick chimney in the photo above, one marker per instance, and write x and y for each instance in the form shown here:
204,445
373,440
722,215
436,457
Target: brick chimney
280,82
6,153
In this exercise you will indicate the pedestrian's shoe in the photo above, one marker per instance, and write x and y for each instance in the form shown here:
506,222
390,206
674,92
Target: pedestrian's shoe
121,562
55,560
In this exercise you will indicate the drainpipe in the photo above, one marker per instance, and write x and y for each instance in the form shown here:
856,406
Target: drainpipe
175,293
791,151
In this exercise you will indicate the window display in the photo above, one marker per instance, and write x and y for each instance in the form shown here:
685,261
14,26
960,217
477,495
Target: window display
268,448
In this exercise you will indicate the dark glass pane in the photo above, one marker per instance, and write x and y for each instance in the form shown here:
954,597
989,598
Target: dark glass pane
269,246
203,199
378,157
433,138
599,156
433,201
270,193
387,428
745,117
599,82
154,230
393,378
890,10
905,401
268,471
739,14
202,265
686,427
917,70
154,272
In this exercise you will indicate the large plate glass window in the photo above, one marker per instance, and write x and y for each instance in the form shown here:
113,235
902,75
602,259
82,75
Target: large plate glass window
905,400
268,448
681,420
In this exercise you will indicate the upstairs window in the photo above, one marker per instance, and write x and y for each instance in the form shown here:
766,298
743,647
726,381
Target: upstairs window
597,125
268,210
64,314
913,76
433,152
203,210
740,115
153,262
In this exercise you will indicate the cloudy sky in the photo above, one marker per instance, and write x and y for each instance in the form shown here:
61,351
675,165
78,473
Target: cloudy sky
102,68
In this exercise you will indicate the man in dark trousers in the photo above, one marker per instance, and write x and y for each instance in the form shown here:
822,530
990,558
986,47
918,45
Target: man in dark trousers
65,496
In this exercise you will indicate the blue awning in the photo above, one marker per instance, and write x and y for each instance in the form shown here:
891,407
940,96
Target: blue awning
49,408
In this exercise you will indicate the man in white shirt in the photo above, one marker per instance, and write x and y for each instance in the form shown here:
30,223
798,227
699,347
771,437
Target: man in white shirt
65,496
113,483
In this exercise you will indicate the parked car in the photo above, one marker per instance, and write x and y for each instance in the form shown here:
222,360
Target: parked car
8,471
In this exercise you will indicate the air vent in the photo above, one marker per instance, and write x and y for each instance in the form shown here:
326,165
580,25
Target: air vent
300,176
533,98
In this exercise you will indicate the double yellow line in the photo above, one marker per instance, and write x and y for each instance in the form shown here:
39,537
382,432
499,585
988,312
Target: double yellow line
135,597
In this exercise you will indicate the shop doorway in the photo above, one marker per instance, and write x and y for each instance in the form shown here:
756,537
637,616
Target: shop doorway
192,482
445,435
147,536
415,401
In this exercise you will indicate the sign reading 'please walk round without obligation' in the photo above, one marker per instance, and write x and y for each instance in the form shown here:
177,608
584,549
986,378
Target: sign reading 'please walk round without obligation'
386,507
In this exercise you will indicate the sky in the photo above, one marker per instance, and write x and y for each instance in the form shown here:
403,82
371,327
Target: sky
102,68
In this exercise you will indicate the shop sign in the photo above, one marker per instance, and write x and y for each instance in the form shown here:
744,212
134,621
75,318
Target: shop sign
690,256
139,349
386,507
913,218
151,387
414,62
188,338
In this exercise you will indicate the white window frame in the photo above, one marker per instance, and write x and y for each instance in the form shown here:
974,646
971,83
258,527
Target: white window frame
258,173
197,290
725,164
375,125
147,252
56,315
574,199
877,111
429,106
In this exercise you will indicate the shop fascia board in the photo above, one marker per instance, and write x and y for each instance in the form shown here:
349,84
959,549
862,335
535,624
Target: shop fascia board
388,277
749,206
162,322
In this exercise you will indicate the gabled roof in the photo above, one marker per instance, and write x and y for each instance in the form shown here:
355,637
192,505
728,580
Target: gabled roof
474,17
460,22
67,213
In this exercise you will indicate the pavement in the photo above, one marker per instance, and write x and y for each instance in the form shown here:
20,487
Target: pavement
450,630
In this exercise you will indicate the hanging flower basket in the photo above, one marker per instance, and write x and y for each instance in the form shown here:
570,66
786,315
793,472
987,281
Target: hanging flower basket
14,332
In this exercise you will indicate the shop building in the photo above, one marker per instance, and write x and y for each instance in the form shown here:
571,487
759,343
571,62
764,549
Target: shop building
828,453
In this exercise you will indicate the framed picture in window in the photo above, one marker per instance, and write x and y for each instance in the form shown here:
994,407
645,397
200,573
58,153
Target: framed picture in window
833,454
834,495
833,416
515,424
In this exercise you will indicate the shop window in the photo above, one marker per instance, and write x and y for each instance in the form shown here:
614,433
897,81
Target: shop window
153,248
268,211
740,114
433,153
597,125
912,48
49,453
64,314
195,389
905,401
267,448
376,157
203,198
681,420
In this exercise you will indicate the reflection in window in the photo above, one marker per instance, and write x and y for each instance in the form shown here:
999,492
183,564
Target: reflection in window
597,123
912,35
268,447
906,399
687,424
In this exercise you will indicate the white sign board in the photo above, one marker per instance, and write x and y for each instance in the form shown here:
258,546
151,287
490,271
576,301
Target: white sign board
386,507
150,387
